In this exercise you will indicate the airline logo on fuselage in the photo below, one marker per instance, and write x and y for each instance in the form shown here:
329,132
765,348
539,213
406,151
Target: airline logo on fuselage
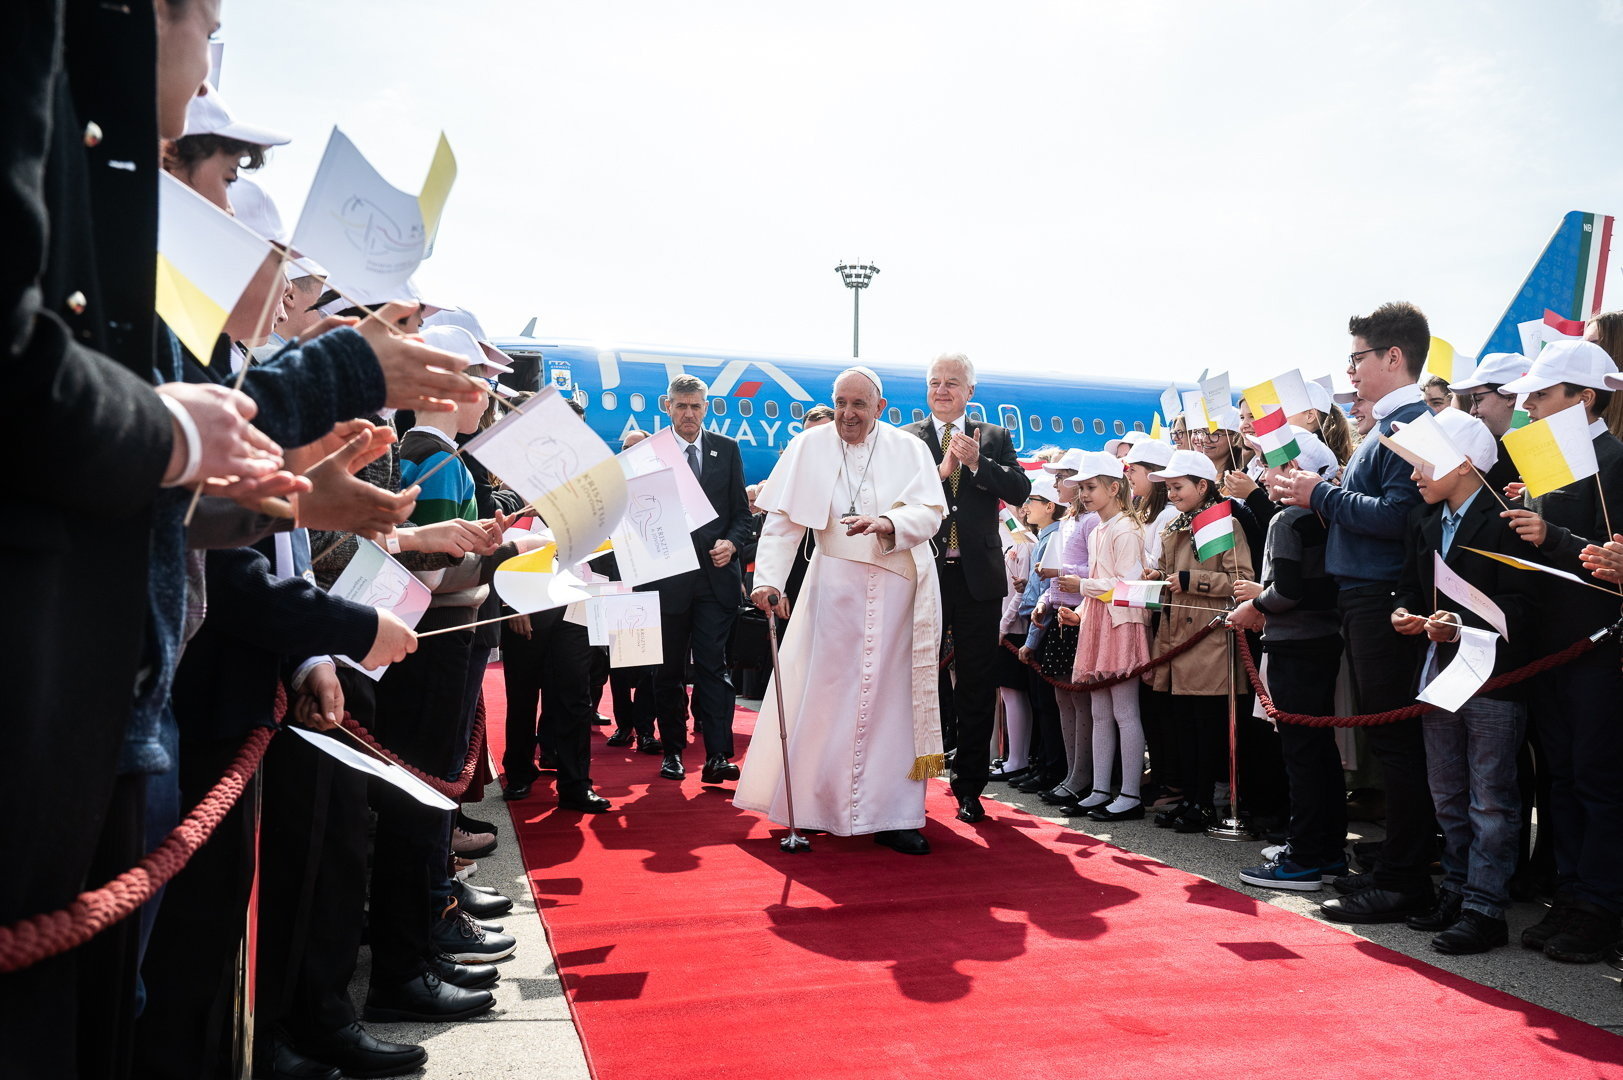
722,382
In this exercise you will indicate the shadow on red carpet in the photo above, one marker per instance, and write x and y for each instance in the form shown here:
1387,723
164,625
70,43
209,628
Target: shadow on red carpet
691,946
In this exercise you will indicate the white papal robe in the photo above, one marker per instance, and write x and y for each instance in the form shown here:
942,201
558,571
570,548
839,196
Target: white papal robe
857,665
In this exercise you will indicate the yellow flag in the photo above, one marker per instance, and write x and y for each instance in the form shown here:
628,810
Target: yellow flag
1106,597
1156,431
1553,452
1287,391
206,258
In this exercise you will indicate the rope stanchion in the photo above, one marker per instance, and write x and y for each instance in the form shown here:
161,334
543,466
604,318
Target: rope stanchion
1409,712
451,789
1154,661
40,937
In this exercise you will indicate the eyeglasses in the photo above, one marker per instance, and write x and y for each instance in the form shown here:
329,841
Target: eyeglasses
1354,358
1483,395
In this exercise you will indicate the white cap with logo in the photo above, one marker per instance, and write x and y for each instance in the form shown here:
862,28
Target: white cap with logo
1187,463
207,114
1495,369
1582,363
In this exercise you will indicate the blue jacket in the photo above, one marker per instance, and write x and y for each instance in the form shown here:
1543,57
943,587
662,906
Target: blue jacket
1036,586
1367,514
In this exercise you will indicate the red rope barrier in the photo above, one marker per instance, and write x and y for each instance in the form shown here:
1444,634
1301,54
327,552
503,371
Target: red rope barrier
1409,712
1154,661
451,789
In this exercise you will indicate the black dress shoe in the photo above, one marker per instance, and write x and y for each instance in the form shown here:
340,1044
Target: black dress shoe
1167,818
1058,795
359,1053
481,905
1016,777
671,768
718,770
1132,813
549,763
1588,932
1032,784
1347,884
474,825
426,997
288,1064
1377,905
1539,934
1196,818
515,792
969,809
1473,933
467,976
602,720
1441,917
907,841
649,746
588,802
622,737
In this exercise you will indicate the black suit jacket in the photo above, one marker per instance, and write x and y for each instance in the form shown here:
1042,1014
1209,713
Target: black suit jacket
998,478
1517,592
1575,518
722,477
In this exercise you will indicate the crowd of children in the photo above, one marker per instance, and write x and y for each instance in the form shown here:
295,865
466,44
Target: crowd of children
1356,570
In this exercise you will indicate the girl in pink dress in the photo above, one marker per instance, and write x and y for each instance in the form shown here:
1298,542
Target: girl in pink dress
1112,640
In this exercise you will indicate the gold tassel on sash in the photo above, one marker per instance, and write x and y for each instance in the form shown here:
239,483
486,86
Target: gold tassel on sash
928,766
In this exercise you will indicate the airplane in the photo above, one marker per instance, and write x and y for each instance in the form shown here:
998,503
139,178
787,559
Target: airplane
760,399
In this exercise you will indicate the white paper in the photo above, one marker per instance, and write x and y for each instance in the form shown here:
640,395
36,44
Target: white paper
1475,600
376,580
1216,392
366,232
596,585
547,454
387,771
1423,443
629,624
652,541
1463,677
1171,404
623,614
663,450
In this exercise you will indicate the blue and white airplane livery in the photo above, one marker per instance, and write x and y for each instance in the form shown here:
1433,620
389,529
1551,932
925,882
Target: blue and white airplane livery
760,399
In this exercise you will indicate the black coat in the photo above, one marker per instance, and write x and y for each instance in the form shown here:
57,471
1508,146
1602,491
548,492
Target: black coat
998,478
91,440
1517,592
1576,517
722,477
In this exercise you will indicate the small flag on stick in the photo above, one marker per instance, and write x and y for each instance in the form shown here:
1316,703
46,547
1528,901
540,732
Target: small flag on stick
1553,452
1213,530
1138,594
206,259
1275,439
1287,391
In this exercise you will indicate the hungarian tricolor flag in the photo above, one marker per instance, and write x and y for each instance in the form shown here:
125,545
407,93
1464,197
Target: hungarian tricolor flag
1213,530
1275,439
1138,594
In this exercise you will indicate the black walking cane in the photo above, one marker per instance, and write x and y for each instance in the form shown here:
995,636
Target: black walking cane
794,842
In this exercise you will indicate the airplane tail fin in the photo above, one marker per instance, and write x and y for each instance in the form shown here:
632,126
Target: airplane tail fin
1568,281
529,327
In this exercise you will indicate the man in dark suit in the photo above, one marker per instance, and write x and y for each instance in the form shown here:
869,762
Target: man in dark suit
978,470
697,609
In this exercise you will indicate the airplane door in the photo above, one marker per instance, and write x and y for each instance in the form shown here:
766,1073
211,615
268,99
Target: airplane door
1009,417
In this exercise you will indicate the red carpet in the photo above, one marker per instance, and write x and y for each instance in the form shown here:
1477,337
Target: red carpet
692,947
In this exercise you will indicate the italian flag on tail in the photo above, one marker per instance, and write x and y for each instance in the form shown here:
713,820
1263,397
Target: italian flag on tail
1138,594
1275,439
1213,530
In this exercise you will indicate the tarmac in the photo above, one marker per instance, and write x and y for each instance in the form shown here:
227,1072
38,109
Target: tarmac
530,1034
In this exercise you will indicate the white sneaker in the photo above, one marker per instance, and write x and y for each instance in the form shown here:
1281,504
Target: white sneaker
1275,852
466,872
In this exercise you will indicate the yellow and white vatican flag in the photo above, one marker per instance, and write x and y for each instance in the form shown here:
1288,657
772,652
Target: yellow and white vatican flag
535,582
1553,452
370,235
206,258
1287,390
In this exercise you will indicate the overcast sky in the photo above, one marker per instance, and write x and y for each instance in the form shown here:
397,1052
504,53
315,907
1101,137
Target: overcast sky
1136,187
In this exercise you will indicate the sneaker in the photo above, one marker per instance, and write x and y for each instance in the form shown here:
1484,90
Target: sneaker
1275,852
1539,934
464,868
475,825
456,934
472,845
1286,874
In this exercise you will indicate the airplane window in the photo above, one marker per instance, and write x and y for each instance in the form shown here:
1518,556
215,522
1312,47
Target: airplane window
797,410
609,400
746,407
1056,423
1138,425
770,407
1098,427
1120,428
976,412
1008,415
664,403
895,415
1036,423
718,406
1077,425
918,414
638,403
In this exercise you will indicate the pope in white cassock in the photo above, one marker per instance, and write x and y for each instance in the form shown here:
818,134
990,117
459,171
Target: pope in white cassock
858,663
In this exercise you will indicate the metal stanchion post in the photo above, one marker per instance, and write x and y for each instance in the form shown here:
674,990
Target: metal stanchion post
247,954
1233,827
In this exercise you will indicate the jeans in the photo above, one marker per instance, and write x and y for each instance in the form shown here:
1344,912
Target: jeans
1471,765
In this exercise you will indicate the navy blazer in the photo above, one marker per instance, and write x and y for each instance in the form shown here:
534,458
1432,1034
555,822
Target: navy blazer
721,474
999,477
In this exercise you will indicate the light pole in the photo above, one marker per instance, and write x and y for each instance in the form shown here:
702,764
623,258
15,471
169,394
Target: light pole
856,276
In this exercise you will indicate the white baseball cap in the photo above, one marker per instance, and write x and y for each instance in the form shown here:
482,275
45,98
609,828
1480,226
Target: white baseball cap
1149,452
372,298
1470,435
454,339
1495,369
1314,456
1187,463
1128,439
206,114
1099,463
494,357
1071,460
1319,396
1582,363
255,209
1042,486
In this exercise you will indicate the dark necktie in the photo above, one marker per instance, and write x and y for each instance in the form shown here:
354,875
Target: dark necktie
693,459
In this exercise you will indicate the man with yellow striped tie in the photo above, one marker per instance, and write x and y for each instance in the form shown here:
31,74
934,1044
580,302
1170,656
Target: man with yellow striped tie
978,470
